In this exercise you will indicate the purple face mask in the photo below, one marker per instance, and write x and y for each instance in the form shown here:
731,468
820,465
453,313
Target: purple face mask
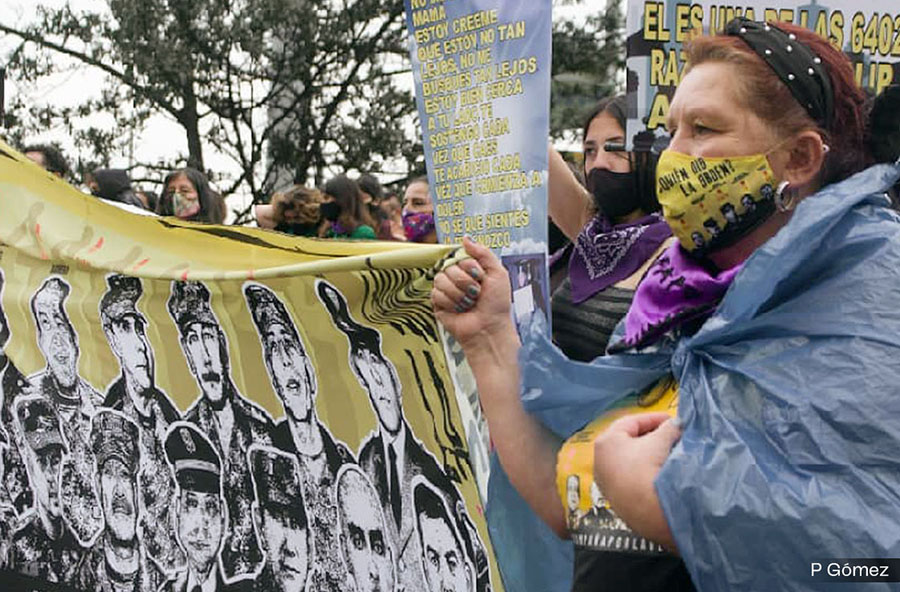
417,225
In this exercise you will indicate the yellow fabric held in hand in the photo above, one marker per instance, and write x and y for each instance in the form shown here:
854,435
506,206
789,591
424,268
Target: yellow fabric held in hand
575,461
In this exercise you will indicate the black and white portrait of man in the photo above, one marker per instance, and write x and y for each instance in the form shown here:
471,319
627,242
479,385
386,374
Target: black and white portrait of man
366,547
231,422
444,560
117,560
573,497
201,514
301,433
281,521
43,546
392,456
75,402
135,394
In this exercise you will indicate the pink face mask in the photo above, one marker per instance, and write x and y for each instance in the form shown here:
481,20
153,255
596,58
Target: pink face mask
417,225
183,206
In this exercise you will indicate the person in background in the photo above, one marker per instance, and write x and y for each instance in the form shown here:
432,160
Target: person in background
371,190
113,185
150,199
418,212
372,193
344,211
48,157
392,208
614,226
187,195
294,211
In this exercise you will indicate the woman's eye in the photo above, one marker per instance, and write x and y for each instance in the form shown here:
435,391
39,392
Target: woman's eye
701,129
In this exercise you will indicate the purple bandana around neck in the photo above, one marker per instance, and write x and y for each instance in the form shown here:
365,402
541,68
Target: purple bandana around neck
338,230
676,290
606,254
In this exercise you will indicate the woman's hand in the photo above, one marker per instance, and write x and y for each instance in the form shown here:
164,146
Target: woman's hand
627,457
472,298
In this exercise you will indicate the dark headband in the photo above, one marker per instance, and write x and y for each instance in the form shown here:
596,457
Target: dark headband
793,62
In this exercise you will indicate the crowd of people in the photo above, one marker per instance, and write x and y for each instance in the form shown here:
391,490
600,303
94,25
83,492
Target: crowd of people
346,208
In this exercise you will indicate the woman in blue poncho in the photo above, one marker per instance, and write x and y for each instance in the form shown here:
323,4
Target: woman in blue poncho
771,326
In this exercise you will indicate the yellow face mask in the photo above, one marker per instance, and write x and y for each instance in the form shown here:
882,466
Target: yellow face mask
710,203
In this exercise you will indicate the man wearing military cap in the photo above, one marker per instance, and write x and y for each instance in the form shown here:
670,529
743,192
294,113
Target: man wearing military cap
392,455
281,521
301,433
200,511
43,546
117,562
135,394
75,402
231,422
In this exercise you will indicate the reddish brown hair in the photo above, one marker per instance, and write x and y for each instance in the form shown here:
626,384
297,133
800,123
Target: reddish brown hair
770,99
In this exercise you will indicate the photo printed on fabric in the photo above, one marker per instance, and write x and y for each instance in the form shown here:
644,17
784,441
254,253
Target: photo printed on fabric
300,433
230,421
123,491
75,402
592,523
135,394
392,456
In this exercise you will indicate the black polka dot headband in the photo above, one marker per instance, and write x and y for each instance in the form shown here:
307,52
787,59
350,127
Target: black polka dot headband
794,63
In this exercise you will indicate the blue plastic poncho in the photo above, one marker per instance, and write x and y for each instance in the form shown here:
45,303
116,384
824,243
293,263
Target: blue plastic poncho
790,399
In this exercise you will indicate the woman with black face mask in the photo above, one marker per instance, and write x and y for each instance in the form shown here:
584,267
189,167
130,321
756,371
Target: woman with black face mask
345,214
614,225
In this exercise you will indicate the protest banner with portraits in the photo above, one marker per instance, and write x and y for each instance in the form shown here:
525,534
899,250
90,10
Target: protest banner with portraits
868,32
186,405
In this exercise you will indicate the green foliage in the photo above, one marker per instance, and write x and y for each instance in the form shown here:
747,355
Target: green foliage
588,59
285,87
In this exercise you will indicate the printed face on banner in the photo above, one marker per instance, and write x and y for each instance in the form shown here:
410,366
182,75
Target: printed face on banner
203,347
597,499
445,564
56,339
367,552
128,339
286,539
572,493
201,522
118,496
291,371
43,472
378,379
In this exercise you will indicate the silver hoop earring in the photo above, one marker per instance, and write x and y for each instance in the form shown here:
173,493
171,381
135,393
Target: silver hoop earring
784,197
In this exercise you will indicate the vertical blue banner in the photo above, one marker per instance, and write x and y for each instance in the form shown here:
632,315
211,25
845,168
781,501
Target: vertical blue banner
482,75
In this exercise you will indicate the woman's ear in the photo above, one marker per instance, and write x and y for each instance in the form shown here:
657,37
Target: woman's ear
805,159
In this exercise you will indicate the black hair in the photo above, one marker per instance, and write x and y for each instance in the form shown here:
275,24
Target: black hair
345,192
212,205
643,163
429,504
370,185
54,160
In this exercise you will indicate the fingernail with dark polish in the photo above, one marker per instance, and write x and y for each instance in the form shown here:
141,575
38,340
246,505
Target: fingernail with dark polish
466,302
474,273
473,291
